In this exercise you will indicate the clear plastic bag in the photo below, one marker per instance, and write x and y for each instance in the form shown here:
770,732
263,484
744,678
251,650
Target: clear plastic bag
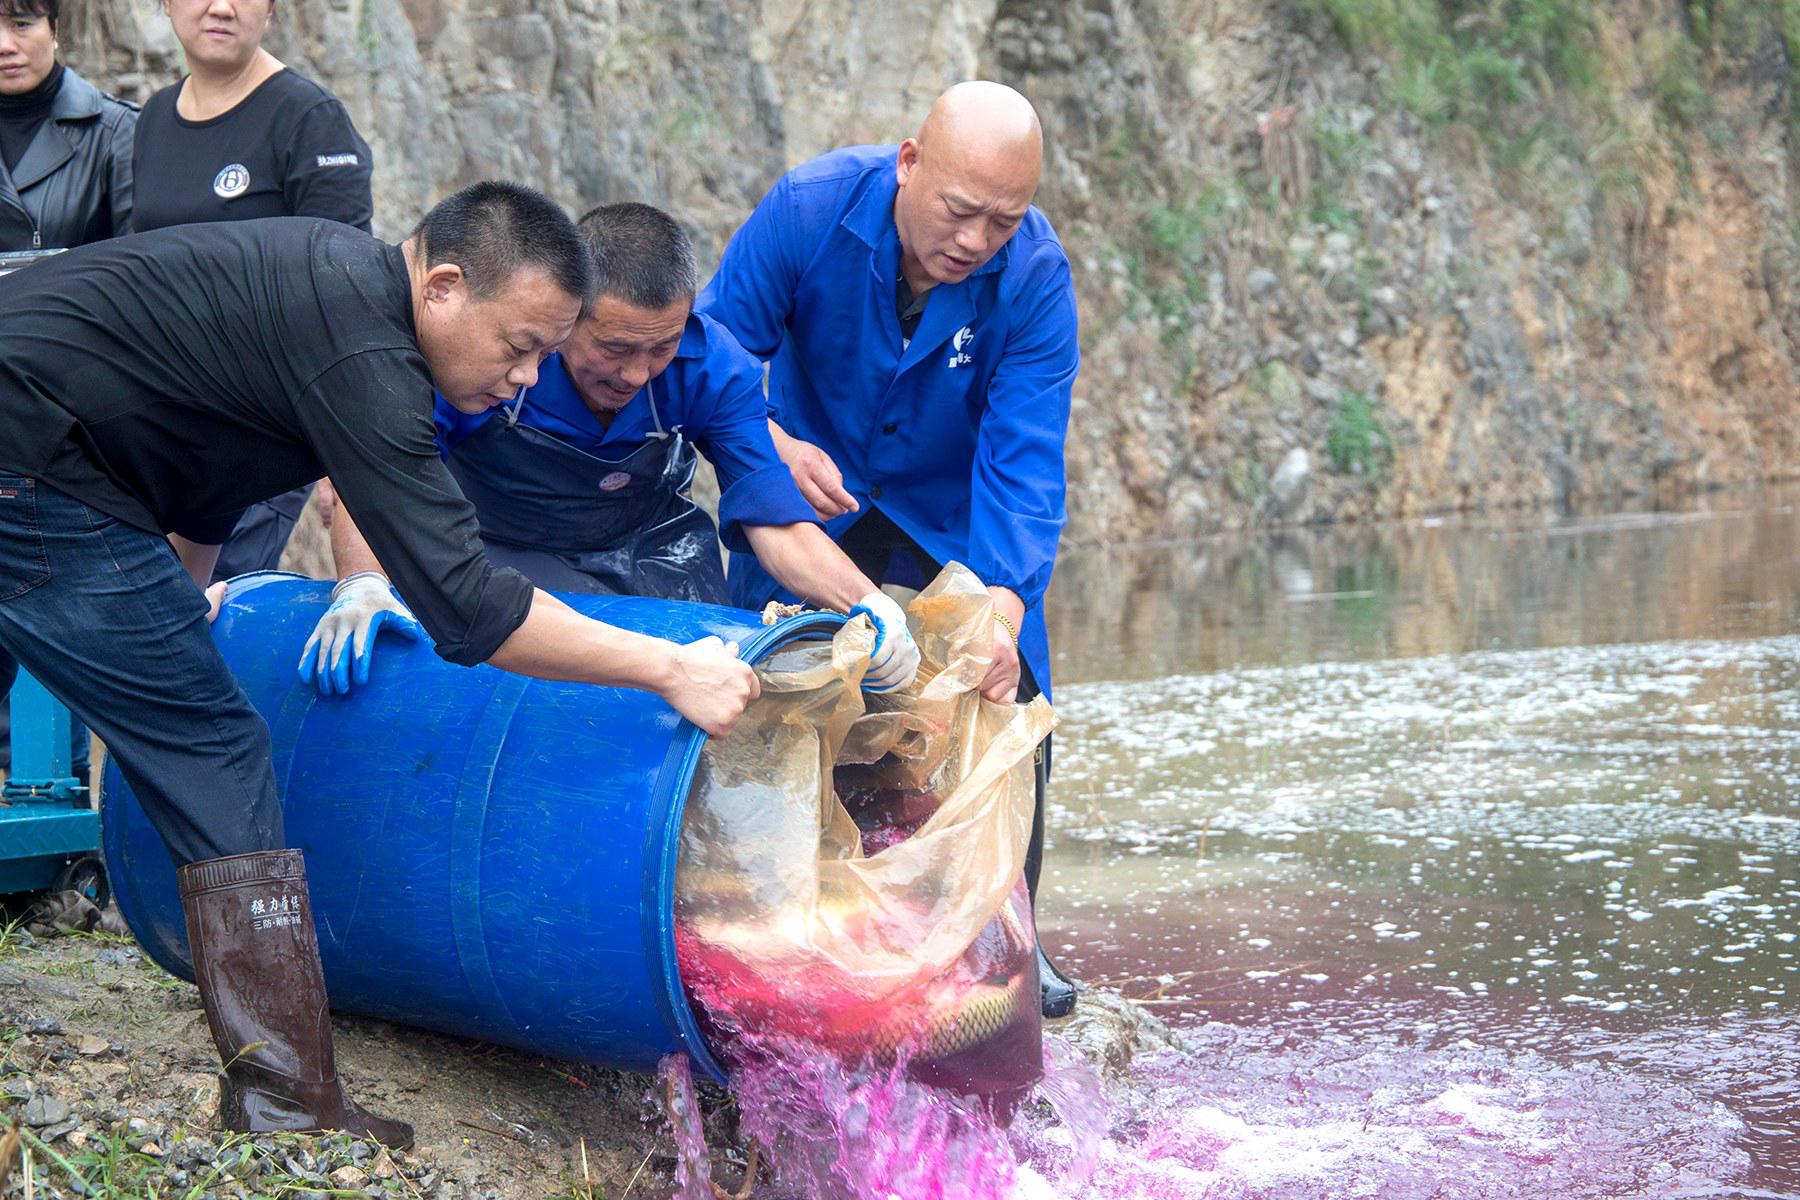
849,862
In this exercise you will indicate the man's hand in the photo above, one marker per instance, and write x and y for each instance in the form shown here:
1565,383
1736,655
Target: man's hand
817,477
895,659
711,686
215,600
1001,684
342,645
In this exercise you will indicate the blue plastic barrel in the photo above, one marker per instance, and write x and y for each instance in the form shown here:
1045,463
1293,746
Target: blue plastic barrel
489,855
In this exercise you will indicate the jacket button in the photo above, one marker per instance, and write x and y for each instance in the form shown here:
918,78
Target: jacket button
875,492
890,427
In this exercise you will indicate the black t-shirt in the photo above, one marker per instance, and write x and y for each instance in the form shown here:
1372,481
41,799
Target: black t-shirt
910,308
287,150
171,379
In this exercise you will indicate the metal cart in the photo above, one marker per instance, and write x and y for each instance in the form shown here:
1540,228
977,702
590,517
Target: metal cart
49,832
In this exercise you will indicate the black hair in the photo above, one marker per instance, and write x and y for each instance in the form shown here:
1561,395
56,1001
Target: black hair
50,10
493,230
641,255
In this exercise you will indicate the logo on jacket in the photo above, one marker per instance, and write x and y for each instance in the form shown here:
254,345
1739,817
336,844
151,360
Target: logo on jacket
232,181
615,481
958,346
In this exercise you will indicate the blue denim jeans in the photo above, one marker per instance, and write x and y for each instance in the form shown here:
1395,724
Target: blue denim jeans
106,618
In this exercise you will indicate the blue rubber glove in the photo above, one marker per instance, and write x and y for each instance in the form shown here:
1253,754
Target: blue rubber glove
895,659
342,645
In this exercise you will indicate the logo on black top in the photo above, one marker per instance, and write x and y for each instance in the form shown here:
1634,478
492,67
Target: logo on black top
232,181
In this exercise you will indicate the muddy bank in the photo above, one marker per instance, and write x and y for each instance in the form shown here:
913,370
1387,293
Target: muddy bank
106,1059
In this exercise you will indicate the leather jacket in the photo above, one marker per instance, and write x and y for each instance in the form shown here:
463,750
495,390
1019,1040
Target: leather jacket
73,184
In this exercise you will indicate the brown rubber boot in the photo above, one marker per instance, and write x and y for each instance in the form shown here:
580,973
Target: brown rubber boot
256,959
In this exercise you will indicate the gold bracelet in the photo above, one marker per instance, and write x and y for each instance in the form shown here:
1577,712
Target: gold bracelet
1012,630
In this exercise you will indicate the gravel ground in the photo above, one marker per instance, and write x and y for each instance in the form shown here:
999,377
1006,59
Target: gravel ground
109,1073
106,1061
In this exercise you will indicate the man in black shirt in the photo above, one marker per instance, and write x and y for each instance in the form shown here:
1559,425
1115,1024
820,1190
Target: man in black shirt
159,384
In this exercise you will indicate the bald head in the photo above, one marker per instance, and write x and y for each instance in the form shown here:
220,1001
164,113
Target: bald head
966,181
989,122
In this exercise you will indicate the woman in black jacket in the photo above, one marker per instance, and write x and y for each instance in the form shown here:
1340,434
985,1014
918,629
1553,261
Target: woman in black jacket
65,147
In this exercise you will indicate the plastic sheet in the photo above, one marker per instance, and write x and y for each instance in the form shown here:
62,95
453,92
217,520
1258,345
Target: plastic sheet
849,863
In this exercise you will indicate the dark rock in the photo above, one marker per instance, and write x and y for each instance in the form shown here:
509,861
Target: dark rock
45,1109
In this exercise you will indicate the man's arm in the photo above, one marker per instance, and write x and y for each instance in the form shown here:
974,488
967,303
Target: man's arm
197,558
817,477
383,463
704,681
761,510
350,551
803,559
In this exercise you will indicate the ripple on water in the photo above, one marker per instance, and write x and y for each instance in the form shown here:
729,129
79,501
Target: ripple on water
1566,853
1251,1114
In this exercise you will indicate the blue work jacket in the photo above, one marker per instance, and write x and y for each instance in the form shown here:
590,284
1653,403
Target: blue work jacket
957,436
712,390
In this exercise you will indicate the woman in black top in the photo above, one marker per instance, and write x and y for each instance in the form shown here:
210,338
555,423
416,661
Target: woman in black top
65,148
243,137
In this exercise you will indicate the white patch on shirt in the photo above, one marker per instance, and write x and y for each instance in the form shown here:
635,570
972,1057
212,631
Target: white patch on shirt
958,346
337,160
234,180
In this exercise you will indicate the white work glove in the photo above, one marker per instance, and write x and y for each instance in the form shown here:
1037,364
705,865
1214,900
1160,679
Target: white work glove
895,659
343,643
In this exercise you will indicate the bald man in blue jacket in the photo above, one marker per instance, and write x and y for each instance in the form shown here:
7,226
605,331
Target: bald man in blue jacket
918,318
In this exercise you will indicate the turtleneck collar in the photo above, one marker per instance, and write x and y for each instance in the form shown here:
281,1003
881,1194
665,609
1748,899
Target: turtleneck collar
35,103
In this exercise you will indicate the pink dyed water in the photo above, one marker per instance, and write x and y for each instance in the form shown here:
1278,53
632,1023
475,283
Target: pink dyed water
1240,1114
869,1132
1245,1115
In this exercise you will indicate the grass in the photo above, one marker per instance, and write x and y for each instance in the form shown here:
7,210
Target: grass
1167,252
11,942
1472,64
1358,443
107,1167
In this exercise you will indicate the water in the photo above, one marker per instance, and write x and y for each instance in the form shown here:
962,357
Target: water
1466,858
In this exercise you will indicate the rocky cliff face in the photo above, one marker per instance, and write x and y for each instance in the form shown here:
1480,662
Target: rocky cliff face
1323,275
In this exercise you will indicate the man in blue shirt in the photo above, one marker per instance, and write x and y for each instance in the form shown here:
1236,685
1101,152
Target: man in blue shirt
581,483
918,318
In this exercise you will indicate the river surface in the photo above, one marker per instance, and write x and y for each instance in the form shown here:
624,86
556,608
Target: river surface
1477,831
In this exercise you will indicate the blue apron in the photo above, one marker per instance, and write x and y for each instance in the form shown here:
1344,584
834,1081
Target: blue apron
575,522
